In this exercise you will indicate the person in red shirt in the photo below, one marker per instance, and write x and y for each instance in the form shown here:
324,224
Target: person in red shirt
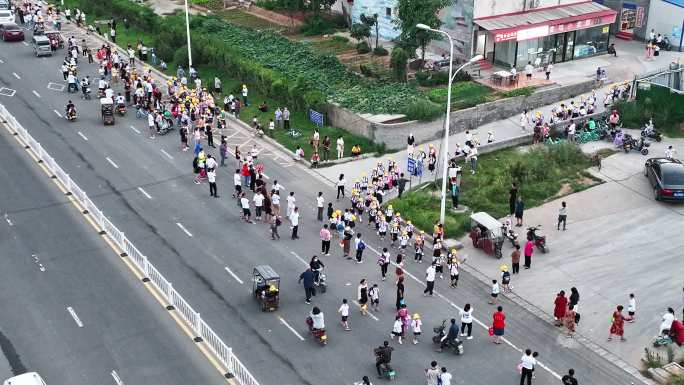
528,251
560,305
498,324
677,332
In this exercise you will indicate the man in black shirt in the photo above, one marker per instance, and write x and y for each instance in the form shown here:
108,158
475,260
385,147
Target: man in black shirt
401,184
569,379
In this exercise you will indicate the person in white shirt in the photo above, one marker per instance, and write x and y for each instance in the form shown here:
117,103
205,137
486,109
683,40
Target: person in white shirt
275,202
211,177
150,124
430,273
467,321
258,204
320,201
631,309
495,292
340,147
237,182
290,203
341,182
527,363
294,219
344,312
244,202
445,377
416,325
571,131
670,152
668,318
529,68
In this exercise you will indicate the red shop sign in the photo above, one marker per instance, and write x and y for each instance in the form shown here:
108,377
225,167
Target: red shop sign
505,36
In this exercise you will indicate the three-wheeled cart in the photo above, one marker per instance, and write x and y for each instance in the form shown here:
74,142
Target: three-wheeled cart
266,287
107,107
486,233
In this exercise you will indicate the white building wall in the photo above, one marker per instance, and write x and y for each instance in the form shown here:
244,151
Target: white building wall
667,19
486,8
369,7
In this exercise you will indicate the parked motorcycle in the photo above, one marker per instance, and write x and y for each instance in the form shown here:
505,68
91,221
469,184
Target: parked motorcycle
665,44
456,346
318,334
539,240
631,143
649,131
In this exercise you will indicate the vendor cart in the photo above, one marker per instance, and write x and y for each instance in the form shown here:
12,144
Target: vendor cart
486,233
266,287
56,39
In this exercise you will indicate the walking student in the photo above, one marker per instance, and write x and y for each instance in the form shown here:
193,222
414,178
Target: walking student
360,247
467,321
325,236
344,312
384,262
527,363
416,325
294,220
515,259
495,292
211,177
320,201
340,186
430,274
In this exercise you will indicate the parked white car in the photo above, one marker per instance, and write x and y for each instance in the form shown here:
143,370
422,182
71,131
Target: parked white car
6,16
30,378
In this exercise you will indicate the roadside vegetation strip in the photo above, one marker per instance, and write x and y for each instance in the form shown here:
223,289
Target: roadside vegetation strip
232,84
543,172
658,103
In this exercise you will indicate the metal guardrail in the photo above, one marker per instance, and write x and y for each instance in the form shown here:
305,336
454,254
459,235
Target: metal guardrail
200,328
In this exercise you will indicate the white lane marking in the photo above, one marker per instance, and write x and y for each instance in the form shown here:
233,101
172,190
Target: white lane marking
166,153
143,192
184,229
367,312
36,93
16,76
233,274
8,220
57,112
116,378
287,325
232,135
134,129
74,316
82,136
24,43
266,176
300,258
111,162
477,321
2,61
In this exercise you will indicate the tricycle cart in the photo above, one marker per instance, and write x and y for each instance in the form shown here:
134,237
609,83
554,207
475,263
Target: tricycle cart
56,39
107,107
266,287
486,233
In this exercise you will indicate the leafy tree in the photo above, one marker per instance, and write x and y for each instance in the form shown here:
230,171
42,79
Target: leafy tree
372,21
412,12
317,5
360,31
398,63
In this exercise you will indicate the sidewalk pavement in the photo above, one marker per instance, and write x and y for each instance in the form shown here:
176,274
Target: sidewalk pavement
619,240
630,62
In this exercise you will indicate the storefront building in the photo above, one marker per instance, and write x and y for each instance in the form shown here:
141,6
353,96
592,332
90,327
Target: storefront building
667,18
544,34
631,20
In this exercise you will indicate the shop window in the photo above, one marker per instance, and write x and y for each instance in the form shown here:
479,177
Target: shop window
388,12
504,53
591,41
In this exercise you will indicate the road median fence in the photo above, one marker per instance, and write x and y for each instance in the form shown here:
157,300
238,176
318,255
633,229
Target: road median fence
201,330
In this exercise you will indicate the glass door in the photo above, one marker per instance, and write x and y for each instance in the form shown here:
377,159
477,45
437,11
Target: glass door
569,46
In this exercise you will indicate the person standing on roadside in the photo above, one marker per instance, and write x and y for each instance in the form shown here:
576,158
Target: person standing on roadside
258,204
340,147
223,151
341,182
244,202
529,250
290,204
286,118
320,202
562,215
294,219
401,184
325,240
237,182
560,304
515,259
467,321
519,208
512,197
527,363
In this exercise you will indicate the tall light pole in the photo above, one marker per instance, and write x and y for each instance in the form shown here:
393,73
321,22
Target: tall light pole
452,75
187,30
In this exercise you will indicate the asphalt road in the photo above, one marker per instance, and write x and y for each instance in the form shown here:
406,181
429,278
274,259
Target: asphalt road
200,245
70,309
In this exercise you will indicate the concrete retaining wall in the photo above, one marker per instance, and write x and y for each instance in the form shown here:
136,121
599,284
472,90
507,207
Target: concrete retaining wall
394,135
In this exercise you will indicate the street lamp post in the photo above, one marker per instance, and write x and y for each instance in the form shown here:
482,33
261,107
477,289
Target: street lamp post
447,122
187,30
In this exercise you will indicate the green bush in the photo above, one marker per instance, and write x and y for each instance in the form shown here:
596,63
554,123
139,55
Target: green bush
422,77
463,95
425,110
440,78
380,51
340,39
398,64
316,25
522,91
658,103
362,47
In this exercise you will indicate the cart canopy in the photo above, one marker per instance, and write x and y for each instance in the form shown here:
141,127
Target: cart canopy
488,221
266,272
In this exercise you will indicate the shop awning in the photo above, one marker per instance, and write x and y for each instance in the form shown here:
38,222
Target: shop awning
546,21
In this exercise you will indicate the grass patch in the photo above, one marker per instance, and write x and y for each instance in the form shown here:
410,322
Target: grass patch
329,46
244,19
541,173
522,91
658,103
464,94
